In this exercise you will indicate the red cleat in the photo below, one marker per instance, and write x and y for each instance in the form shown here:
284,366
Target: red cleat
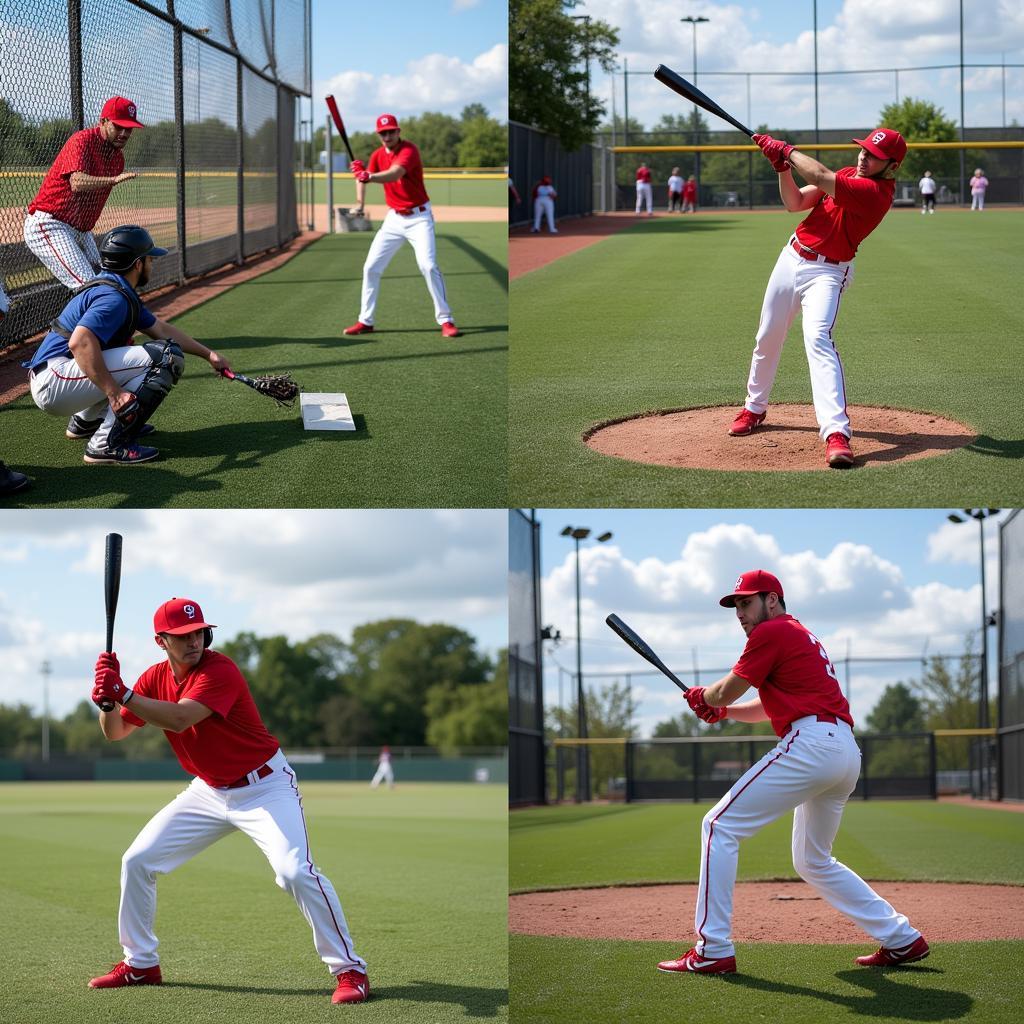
124,974
353,987
690,961
358,328
449,330
745,422
917,950
837,451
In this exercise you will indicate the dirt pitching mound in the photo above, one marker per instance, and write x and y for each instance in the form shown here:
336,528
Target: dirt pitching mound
768,912
787,440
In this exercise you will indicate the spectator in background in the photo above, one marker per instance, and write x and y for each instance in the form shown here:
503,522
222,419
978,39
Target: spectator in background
644,190
690,195
926,186
978,185
675,191
544,196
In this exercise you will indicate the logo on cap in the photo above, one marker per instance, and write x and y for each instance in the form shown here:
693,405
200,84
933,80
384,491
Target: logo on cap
878,137
131,110
739,583
190,610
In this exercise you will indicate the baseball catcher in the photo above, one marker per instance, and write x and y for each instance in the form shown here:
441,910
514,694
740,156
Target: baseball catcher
811,771
242,782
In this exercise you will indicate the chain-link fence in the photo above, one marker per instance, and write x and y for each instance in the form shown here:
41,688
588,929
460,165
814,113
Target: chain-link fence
534,154
216,83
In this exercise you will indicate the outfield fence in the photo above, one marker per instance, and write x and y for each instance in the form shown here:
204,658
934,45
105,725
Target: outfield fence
534,154
217,84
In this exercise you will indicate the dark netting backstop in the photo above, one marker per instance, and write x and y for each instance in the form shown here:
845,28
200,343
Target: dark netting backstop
525,685
533,154
1011,658
216,83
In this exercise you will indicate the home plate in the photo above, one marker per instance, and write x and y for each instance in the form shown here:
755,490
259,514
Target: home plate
324,411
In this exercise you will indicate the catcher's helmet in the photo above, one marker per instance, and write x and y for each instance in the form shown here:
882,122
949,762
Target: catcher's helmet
126,244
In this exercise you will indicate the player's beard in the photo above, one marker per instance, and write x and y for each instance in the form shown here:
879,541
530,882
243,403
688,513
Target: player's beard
143,276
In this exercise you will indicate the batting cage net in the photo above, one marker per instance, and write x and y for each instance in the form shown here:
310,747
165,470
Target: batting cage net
525,693
534,154
217,85
1011,657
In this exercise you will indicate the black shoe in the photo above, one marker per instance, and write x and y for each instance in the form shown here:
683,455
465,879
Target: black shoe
12,482
79,429
129,455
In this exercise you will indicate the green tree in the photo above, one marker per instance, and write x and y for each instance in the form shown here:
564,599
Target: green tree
436,136
484,143
547,68
897,710
472,111
922,121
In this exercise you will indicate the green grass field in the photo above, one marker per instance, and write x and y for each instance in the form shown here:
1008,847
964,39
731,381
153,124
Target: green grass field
421,873
663,316
442,191
430,412
568,980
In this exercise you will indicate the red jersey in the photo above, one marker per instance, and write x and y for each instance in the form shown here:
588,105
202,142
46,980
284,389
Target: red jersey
233,741
690,191
408,192
86,151
643,174
835,227
792,673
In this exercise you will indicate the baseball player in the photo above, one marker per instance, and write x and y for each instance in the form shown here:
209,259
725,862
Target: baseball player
675,191
690,195
10,481
811,771
978,185
397,166
926,186
58,228
544,196
384,772
242,781
813,270
88,368
644,190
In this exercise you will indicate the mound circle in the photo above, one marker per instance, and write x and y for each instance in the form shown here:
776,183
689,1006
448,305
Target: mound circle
768,912
787,440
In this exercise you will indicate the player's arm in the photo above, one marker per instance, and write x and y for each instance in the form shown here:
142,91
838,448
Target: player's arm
813,173
750,711
725,690
393,173
113,726
159,330
88,353
174,716
794,198
82,182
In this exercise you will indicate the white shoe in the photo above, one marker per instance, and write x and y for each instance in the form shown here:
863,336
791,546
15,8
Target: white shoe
923,212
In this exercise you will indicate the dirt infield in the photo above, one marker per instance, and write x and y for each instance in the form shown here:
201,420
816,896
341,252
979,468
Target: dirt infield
527,251
788,440
767,912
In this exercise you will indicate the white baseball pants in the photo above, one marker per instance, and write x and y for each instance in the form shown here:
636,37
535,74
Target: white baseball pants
645,194
270,813
69,254
814,288
418,230
977,200
63,389
544,206
812,771
384,773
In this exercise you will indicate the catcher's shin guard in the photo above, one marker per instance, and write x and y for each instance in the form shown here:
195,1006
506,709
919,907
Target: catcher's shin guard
166,370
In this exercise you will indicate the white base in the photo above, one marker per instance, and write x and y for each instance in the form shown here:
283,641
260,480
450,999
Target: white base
324,411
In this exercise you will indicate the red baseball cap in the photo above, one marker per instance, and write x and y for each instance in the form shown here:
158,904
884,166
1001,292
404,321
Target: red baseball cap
387,123
886,144
179,615
757,581
122,112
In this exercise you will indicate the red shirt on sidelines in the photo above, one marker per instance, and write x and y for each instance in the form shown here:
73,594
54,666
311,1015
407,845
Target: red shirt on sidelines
229,743
86,151
792,673
644,174
835,227
409,191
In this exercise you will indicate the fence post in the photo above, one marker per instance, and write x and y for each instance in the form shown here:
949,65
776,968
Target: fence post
75,63
179,146
933,765
695,759
240,116
629,771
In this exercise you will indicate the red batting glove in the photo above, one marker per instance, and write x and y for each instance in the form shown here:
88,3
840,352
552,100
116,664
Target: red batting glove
775,150
357,166
701,708
109,686
363,176
108,660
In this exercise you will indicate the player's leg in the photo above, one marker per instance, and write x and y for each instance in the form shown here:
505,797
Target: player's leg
538,213
778,309
378,777
56,245
185,827
386,243
270,813
419,232
639,198
91,250
821,287
815,824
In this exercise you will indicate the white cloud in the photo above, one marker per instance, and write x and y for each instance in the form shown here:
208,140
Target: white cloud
464,5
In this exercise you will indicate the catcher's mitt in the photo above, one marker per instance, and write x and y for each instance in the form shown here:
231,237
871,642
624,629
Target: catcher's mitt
279,386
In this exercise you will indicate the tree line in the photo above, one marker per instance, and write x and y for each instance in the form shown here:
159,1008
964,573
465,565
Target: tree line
397,682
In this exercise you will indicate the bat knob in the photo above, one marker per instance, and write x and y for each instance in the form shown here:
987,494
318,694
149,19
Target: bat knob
106,705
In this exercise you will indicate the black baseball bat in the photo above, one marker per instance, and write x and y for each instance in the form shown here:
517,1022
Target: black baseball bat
689,91
111,588
643,648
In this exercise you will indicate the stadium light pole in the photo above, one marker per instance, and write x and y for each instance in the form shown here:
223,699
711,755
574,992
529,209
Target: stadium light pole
694,137
981,514
963,175
45,671
579,533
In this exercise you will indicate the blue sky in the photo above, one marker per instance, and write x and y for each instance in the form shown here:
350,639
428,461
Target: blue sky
869,583
295,573
433,55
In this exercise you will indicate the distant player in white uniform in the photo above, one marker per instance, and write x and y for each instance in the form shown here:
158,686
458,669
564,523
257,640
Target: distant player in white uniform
544,196
397,166
644,190
384,773
675,191
58,228
927,186
811,771
243,782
